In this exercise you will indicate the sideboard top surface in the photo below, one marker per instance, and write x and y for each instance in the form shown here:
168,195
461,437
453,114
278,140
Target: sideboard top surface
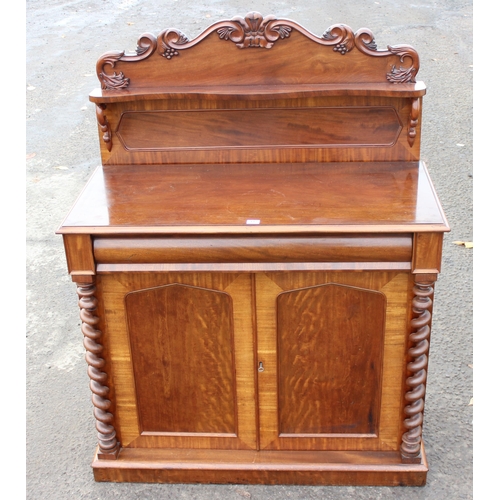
257,198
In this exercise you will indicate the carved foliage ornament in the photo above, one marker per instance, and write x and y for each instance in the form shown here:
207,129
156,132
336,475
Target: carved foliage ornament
256,31
146,45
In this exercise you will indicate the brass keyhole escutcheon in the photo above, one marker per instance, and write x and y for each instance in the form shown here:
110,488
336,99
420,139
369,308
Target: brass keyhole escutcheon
261,367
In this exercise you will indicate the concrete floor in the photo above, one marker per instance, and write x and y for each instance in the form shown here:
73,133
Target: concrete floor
64,40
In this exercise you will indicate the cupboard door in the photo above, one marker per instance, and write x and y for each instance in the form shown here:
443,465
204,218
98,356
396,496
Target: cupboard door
181,339
329,353
331,347
184,368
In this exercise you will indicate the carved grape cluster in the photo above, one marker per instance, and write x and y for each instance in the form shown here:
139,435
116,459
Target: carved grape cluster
341,47
170,52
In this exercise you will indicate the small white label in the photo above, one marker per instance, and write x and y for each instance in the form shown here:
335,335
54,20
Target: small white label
253,221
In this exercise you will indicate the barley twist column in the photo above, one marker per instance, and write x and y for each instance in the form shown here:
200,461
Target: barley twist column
417,366
106,434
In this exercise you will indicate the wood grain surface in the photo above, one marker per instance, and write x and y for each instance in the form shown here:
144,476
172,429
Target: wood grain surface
189,331
330,346
395,288
249,467
233,52
252,249
306,129
337,197
182,346
258,128
248,253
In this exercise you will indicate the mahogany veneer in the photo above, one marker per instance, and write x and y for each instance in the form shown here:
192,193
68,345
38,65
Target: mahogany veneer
255,259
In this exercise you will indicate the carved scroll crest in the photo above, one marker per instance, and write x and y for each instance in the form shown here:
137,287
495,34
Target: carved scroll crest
253,30
365,42
256,31
146,45
169,42
341,36
401,74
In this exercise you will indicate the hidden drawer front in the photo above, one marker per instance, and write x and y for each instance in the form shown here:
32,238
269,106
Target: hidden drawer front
244,249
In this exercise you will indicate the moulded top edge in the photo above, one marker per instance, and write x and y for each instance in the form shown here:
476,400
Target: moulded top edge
280,231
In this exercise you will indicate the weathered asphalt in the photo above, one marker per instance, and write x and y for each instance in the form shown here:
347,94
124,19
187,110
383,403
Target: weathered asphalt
63,41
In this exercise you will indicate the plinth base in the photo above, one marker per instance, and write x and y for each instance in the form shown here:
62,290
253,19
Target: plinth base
261,467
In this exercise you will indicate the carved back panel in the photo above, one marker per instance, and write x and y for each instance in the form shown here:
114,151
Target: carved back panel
259,89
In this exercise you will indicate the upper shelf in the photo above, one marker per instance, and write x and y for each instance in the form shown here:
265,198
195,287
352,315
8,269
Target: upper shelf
258,57
260,92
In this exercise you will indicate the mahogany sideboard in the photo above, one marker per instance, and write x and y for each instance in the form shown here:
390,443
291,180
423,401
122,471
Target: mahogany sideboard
255,259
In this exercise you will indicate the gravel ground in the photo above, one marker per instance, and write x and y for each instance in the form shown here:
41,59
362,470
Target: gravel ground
63,42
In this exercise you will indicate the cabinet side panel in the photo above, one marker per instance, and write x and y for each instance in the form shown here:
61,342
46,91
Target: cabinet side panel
182,349
330,345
